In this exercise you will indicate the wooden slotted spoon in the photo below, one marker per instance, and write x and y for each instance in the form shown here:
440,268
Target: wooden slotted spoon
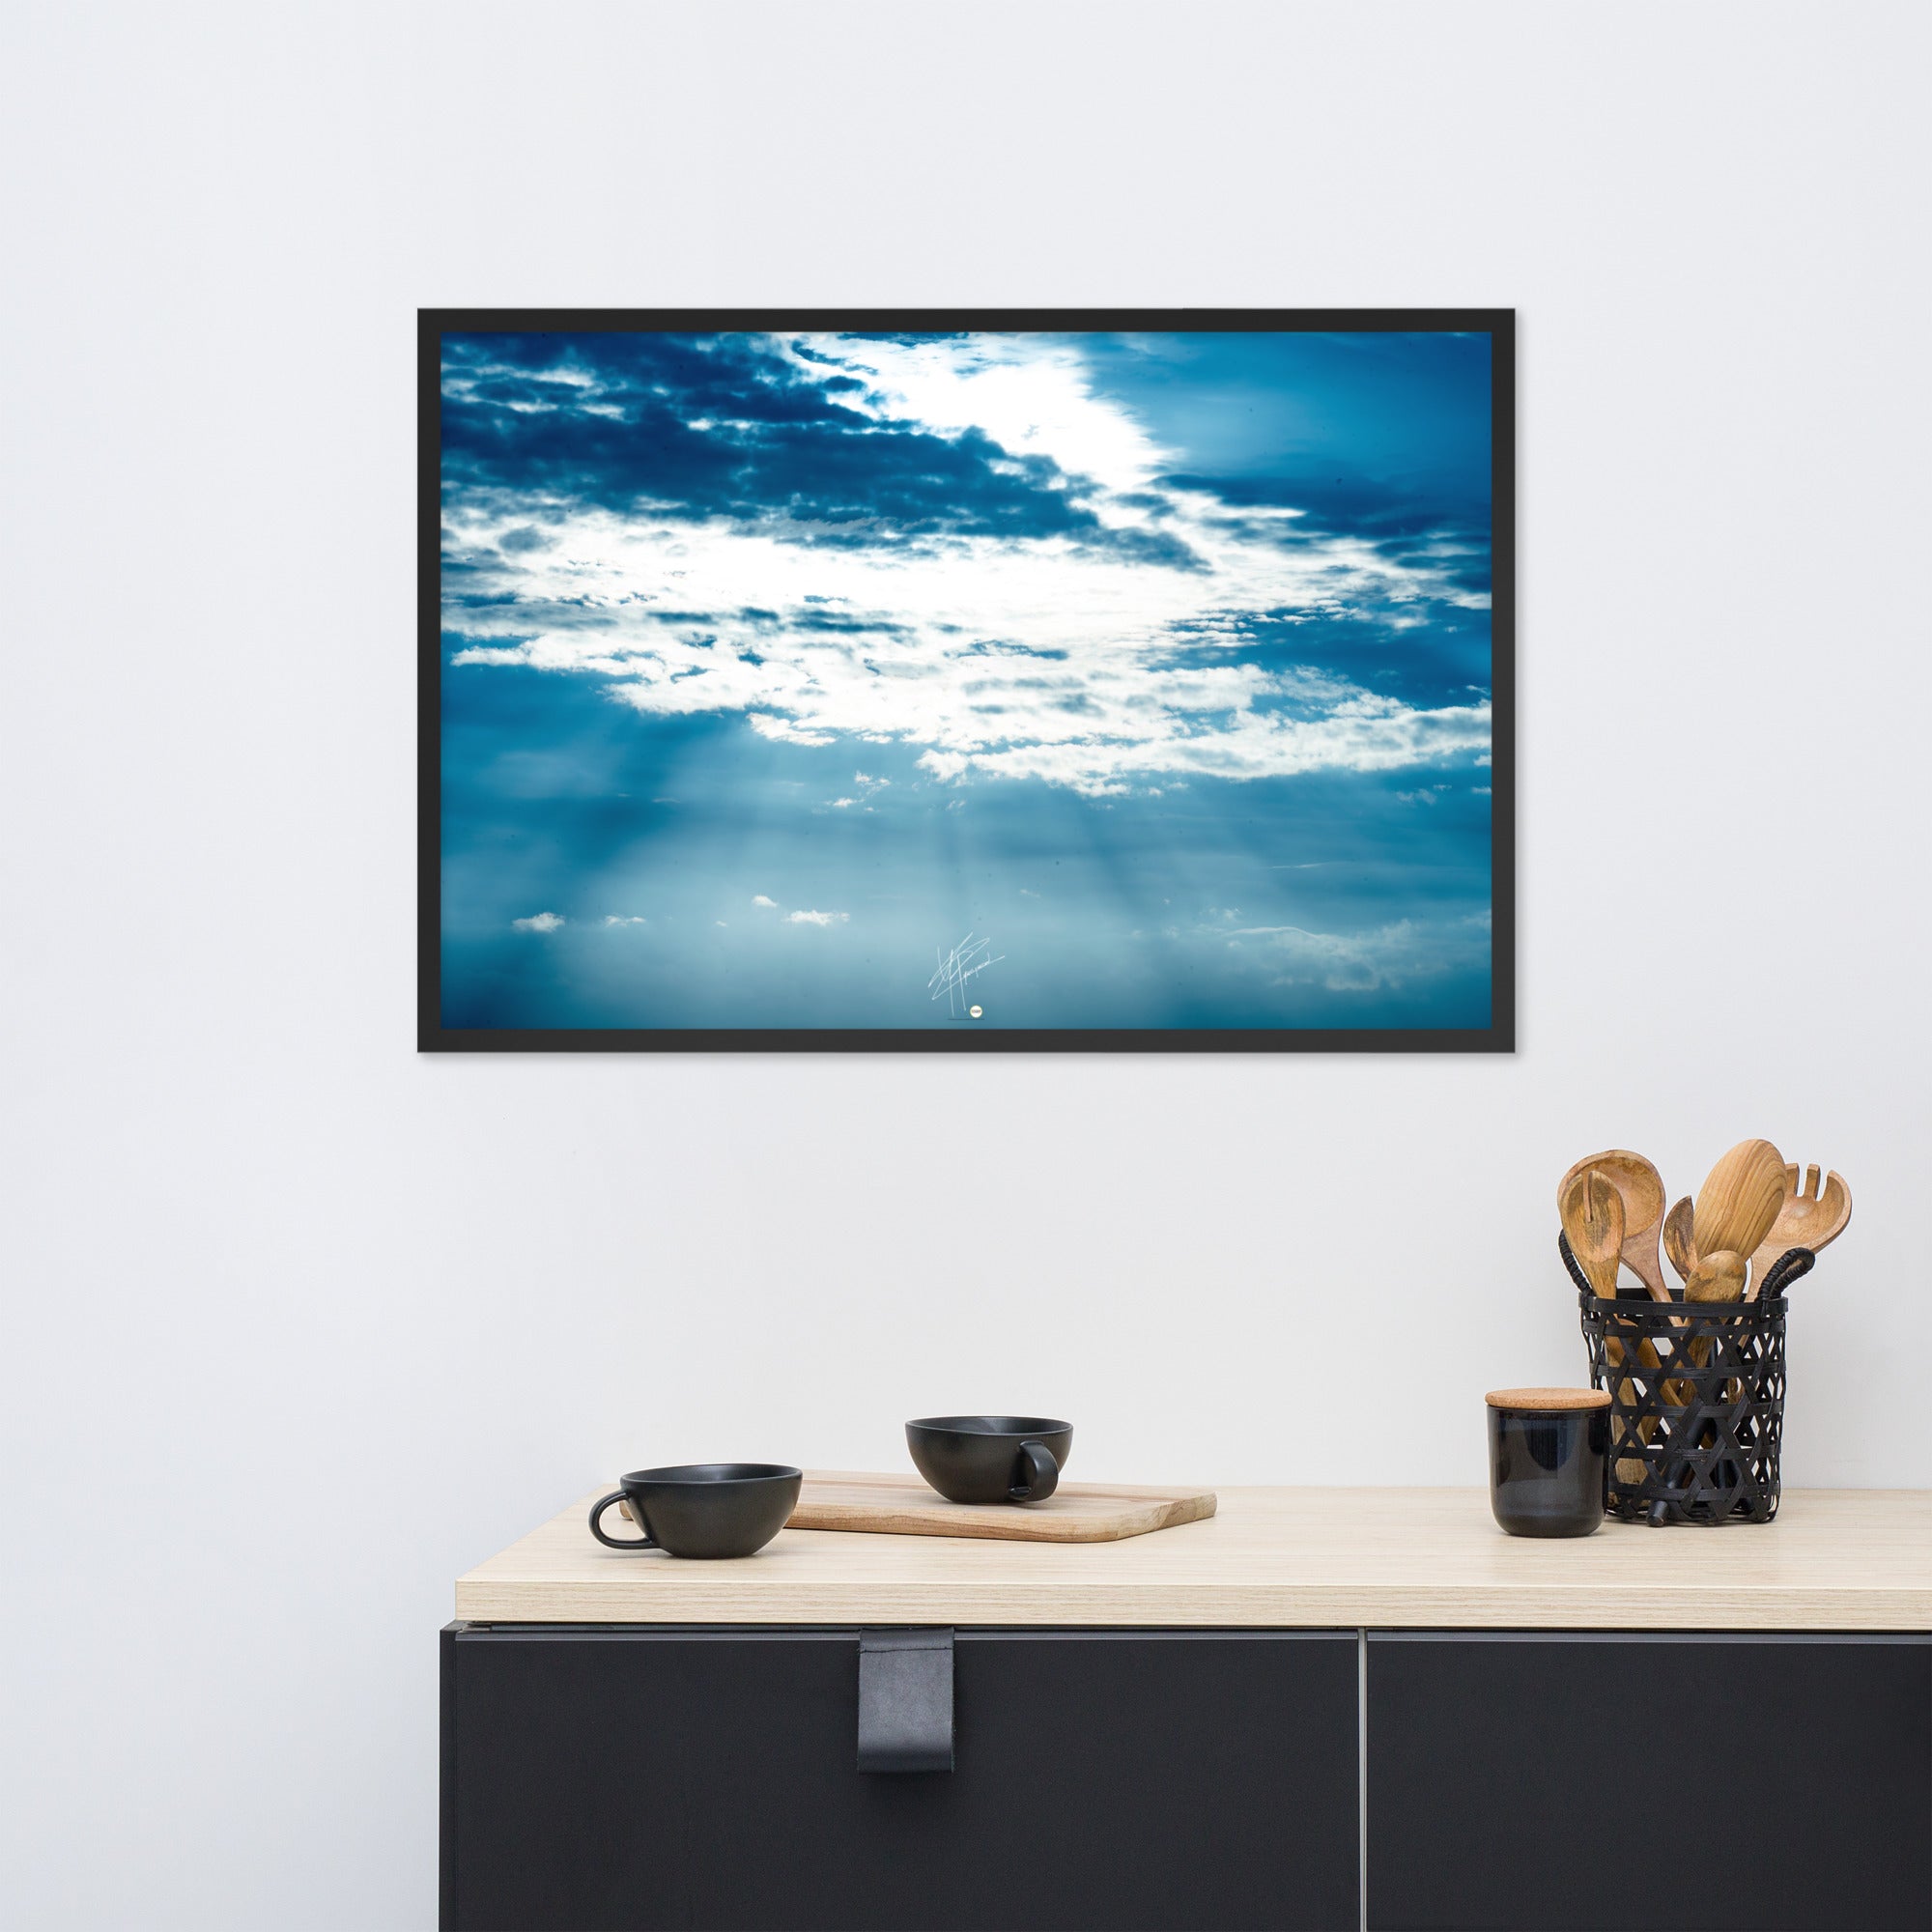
1593,1218
1592,1211
1641,1188
1809,1216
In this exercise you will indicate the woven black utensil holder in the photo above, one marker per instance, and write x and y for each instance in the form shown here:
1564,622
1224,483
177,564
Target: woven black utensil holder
1696,1400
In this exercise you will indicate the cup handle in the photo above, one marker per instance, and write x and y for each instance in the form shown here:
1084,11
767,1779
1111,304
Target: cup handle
597,1510
1041,1475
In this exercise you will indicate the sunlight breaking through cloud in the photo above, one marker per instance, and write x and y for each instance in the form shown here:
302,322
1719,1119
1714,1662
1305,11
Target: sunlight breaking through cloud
1155,637
1160,662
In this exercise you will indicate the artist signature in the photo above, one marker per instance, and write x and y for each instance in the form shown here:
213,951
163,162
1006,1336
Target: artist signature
966,961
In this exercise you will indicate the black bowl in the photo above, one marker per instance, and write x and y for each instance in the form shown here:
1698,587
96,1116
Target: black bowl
704,1509
990,1458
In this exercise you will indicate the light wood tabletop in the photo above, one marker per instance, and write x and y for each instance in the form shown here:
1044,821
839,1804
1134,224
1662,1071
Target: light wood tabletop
1834,1559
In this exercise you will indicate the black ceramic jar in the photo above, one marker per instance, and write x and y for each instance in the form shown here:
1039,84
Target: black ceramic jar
1549,1458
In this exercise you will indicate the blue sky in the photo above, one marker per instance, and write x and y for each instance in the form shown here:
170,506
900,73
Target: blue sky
775,667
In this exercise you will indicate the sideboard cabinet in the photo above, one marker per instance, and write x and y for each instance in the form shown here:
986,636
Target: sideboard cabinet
1019,1753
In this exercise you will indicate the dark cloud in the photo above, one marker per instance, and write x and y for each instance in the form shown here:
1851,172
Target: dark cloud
612,420
1382,508
833,624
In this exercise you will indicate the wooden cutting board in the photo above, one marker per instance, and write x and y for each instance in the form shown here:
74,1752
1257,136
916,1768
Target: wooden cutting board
1075,1513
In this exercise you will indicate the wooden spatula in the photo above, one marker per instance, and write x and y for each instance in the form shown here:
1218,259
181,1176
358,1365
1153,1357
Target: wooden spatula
1739,1199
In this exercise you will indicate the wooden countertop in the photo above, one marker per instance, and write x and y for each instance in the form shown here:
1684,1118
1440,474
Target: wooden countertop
1834,1559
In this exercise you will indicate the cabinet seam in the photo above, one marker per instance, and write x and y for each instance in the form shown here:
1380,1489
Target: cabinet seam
1362,1777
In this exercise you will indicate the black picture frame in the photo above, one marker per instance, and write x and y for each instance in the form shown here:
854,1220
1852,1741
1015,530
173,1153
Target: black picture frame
1498,1036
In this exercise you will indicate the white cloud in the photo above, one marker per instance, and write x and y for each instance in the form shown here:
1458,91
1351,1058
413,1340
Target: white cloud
840,804
620,919
720,922
715,698
1069,660
1031,397
1366,963
759,900
816,918
542,921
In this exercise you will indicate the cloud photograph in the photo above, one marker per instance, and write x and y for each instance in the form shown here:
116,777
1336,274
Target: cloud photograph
784,673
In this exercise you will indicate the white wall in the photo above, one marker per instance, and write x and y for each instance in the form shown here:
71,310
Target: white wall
298,1325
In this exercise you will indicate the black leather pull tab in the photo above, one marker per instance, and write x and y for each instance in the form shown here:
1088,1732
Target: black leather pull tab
905,1700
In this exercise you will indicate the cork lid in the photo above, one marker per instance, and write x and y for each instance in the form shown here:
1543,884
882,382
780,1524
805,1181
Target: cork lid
1548,1401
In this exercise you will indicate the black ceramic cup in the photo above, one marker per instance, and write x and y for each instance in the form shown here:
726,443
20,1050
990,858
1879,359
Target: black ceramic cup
703,1509
990,1458
1549,1458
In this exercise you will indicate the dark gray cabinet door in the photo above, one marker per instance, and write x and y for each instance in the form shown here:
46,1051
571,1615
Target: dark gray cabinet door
604,1778
1613,1783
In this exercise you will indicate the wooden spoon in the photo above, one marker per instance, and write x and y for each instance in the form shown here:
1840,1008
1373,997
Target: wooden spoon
1809,1216
1593,1218
1680,1238
1642,1187
1680,1243
1739,1200
1716,1277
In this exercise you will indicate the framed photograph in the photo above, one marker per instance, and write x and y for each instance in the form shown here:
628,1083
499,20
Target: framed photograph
965,681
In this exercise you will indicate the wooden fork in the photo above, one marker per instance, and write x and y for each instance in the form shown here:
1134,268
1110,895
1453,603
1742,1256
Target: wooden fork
1810,1216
